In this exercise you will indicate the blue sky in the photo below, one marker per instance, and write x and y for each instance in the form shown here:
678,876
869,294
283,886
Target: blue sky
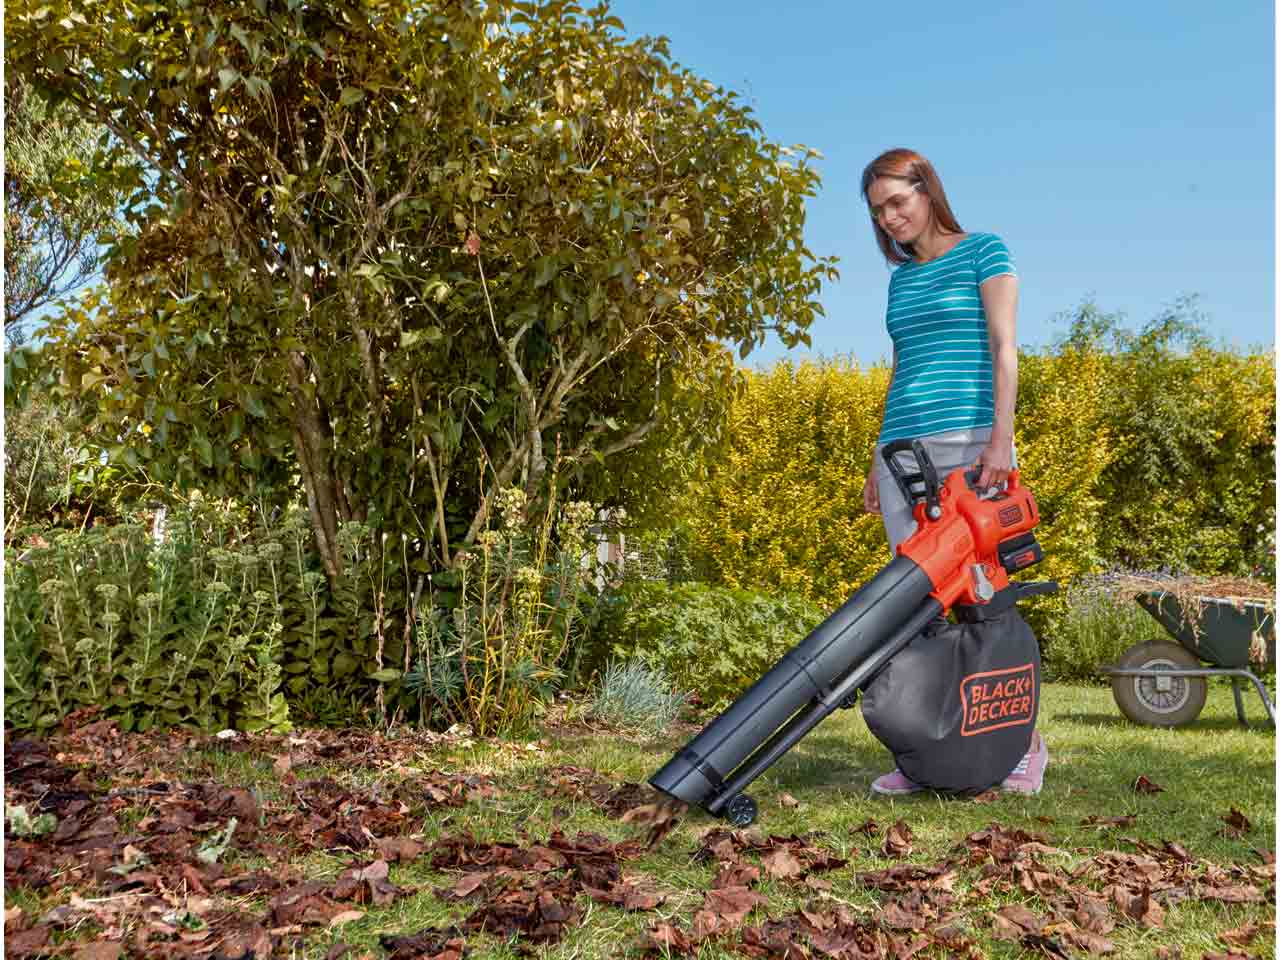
1124,151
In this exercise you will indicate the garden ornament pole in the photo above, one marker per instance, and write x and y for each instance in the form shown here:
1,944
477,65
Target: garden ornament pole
967,544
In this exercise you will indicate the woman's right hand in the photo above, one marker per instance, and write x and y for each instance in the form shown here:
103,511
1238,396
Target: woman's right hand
871,493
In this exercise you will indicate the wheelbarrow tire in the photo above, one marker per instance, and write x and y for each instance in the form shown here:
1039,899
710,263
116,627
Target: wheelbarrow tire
1138,698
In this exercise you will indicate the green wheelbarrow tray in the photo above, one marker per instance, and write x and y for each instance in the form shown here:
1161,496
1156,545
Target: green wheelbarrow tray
1164,684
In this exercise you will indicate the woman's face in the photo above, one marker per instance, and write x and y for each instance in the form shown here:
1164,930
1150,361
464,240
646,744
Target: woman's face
900,207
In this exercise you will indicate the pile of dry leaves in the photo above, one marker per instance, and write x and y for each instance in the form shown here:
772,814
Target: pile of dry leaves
142,869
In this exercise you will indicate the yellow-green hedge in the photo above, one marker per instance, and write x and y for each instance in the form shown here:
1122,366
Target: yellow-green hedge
780,509
1137,458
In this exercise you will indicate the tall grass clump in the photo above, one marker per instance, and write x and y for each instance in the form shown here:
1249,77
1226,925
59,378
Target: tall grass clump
631,693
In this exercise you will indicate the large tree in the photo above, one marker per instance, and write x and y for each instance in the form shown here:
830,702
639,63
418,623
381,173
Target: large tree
410,250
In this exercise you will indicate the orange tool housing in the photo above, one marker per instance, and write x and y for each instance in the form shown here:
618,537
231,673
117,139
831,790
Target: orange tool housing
968,535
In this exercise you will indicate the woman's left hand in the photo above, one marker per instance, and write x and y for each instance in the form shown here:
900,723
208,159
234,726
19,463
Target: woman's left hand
996,460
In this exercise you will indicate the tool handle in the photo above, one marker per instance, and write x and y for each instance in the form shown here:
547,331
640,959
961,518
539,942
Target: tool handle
926,475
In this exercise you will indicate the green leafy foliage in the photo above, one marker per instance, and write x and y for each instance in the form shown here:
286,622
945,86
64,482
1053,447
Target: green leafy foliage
23,824
59,204
715,641
220,625
1192,485
43,462
377,245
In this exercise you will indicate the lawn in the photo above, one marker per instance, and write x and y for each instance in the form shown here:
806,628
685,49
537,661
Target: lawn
357,844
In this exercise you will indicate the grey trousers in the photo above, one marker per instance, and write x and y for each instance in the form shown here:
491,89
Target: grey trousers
955,448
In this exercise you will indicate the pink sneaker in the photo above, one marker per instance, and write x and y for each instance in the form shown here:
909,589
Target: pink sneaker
1028,776
895,784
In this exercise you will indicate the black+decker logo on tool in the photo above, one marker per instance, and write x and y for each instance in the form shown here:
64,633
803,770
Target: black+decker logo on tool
997,699
1010,515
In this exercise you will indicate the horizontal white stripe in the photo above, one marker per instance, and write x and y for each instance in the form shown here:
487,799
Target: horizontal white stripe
940,324
970,338
997,272
942,406
974,367
958,314
960,293
924,387
923,283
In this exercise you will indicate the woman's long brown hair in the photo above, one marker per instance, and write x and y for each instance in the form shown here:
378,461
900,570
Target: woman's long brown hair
908,165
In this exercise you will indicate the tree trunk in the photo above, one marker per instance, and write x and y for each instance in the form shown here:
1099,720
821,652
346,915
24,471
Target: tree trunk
312,445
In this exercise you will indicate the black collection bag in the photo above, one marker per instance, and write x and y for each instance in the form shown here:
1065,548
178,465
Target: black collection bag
957,705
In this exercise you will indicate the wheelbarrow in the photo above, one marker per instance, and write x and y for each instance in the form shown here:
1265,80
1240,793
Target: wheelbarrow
1164,684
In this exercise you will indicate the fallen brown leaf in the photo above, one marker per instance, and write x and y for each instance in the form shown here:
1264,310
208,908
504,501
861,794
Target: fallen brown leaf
667,939
1141,907
1240,936
27,943
99,950
788,801
1127,820
662,817
897,841
736,874
398,849
1045,945
1086,940
305,903
732,904
1237,893
1091,913
1237,825
781,864
1143,785
1021,916
427,944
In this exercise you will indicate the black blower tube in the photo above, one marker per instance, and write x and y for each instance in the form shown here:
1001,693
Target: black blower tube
806,685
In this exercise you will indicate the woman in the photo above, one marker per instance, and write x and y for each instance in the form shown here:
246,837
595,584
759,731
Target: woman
952,305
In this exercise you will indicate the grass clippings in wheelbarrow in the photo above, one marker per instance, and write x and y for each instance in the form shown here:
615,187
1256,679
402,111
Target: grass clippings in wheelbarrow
1187,589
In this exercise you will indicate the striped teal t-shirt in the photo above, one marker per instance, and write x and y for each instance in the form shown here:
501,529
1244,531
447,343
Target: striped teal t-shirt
939,329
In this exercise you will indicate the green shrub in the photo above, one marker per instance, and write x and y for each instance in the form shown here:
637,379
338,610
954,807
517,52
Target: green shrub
1095,628
1192,484
42,458
632,693
171,633
715,641
222,624
496,655
778,507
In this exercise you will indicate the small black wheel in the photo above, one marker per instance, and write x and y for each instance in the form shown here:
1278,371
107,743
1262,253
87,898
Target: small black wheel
741,810
1159,701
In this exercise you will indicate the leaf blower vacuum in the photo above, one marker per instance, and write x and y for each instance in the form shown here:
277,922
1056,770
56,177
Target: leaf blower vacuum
966,545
